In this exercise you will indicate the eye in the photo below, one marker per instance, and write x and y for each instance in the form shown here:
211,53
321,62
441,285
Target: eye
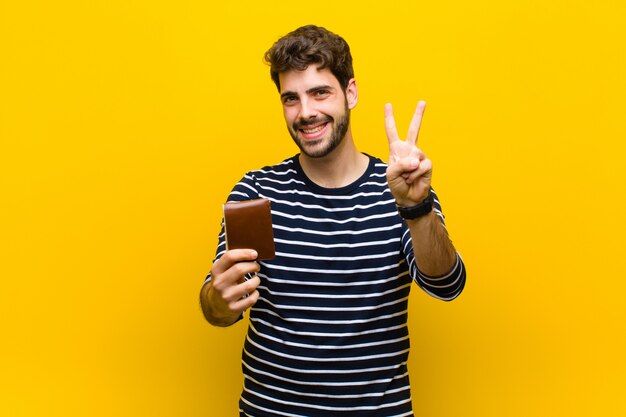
289,99
322,93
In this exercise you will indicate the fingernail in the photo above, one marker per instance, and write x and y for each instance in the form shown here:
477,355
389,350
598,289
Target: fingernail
254,254
414,163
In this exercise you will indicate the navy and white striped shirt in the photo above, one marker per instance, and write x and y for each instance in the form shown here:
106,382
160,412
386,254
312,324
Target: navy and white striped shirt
328,335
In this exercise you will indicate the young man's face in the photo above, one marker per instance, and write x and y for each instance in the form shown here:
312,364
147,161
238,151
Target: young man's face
316,109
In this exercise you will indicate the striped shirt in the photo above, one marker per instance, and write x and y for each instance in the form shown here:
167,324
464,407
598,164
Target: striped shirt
328,335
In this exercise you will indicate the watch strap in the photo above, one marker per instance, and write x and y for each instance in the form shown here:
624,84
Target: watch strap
418,210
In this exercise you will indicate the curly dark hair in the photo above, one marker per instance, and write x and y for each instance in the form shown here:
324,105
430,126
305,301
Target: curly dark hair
311,45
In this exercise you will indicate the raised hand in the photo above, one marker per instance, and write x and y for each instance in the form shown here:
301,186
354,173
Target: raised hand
409,172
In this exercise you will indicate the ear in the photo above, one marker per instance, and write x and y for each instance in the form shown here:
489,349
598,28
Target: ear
352,94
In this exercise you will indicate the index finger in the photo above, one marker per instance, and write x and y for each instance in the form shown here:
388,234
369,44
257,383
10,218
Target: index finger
232,256
416,122
390,125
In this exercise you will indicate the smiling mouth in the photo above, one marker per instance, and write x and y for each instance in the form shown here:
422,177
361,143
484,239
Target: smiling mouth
313,133
313,130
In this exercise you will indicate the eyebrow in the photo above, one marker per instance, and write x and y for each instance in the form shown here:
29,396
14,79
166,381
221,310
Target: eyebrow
309,91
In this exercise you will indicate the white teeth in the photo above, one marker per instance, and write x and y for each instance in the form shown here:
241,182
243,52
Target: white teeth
317,129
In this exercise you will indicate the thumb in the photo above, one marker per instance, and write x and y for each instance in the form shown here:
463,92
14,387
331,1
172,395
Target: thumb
402,166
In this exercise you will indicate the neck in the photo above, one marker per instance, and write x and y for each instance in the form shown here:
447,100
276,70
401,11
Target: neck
341,167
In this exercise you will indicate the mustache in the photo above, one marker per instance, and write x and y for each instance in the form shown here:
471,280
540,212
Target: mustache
300,124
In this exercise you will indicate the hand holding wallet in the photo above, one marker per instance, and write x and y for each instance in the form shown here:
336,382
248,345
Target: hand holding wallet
248,225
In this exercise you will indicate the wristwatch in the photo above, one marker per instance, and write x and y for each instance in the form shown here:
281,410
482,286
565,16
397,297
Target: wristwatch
419,210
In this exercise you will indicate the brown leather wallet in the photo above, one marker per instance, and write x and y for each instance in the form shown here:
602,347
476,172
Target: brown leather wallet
248,225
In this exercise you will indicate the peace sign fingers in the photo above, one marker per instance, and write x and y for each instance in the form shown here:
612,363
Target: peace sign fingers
416,122
414,127
408,170
390,125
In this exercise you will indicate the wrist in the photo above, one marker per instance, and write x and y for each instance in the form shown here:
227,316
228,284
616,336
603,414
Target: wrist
415,211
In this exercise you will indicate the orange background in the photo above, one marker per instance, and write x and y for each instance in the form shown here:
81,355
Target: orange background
123,126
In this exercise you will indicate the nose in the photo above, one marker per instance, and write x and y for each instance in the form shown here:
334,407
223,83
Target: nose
307,110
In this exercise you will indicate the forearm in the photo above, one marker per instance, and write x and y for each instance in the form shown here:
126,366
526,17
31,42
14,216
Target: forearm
434,252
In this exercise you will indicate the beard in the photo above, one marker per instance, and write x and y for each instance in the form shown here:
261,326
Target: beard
338,133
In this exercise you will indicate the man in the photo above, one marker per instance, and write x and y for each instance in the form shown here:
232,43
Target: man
327,333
